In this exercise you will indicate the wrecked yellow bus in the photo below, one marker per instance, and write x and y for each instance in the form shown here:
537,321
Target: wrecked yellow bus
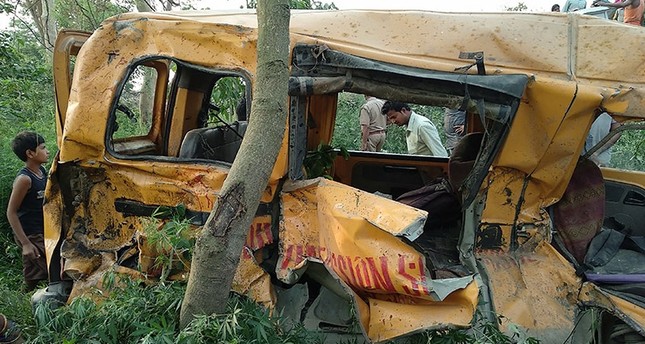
334,252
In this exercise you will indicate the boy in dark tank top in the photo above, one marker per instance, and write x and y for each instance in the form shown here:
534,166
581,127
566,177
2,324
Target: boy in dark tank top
25,209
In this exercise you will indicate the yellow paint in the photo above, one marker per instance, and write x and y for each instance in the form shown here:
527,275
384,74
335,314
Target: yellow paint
592,295
536,289
541,150
635,178
356,235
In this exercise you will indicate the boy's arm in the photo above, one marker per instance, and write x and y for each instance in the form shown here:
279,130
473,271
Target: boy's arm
21,186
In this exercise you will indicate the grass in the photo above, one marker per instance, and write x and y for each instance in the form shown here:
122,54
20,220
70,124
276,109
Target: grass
150,314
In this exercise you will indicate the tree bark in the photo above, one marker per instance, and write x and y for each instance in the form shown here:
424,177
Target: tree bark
220,243
42,14
143,6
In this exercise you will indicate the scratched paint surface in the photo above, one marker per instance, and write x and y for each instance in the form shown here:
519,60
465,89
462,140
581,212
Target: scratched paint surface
386,277
355,234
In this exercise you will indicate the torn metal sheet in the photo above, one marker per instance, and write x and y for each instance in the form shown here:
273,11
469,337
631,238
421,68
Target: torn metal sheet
358,236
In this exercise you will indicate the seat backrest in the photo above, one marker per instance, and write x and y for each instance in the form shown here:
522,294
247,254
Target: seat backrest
579,214
216,143
463,158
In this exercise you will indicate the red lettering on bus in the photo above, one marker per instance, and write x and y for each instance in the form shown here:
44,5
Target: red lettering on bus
342,269
361,270
383,282
364,272
311,251
287,257
300,251
417,285
351,271
259,236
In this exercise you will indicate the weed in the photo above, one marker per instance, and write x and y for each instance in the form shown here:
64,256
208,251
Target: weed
171,243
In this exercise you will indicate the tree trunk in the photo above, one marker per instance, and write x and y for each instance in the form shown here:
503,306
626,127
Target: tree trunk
143,6
42,14
220,243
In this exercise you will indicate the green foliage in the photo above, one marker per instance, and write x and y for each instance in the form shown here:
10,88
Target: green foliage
26,103
6,7
318,163
25,72
127,315
517,8
173,240
629,152
14,303
137,314
227,94
86,15
347,130
244,322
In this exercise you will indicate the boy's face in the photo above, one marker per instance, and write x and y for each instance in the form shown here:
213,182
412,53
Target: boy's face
40,155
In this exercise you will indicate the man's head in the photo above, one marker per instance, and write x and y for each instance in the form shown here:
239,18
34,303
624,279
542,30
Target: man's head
555,8
396,112
28,144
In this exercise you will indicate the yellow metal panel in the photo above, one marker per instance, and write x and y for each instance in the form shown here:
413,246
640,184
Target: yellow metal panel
320,122
100,70
68,43
540,152
356,236
391,319
635,178
536,290
187,106
592,295
559,46
52,213
252,281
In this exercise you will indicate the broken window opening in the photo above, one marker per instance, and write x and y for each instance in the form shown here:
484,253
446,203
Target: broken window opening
171,110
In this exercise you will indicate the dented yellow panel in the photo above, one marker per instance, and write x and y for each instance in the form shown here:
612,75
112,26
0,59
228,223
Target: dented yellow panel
361,239
632,314
535,289
358,237
548,45
537,159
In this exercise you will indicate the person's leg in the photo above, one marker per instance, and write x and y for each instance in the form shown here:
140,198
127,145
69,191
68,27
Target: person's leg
380,142
35,270
375,142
